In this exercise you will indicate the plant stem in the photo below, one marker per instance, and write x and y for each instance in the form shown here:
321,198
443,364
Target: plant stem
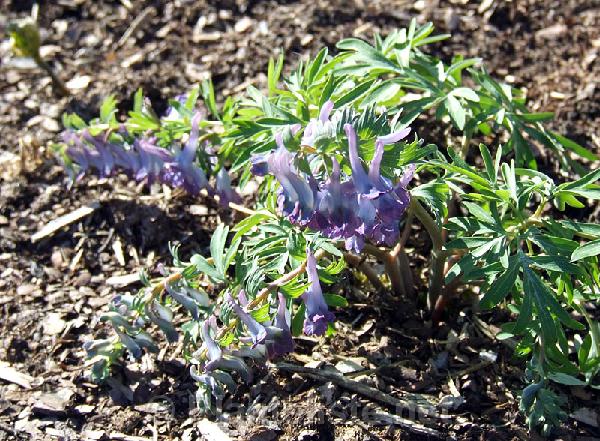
364,268
263,294
392,268
242,209
438,258
404,236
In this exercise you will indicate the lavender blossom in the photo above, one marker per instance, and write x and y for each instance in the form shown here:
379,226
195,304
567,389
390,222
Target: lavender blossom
257,331
362,206
145,160
226,193
280,340
182,297
216,358
297,198
318,128
317,313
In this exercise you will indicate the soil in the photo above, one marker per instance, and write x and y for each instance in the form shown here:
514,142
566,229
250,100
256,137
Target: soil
52,290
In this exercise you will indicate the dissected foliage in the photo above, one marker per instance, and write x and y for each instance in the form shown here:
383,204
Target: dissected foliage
330,147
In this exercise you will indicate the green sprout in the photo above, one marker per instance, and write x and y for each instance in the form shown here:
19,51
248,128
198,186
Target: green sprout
25,40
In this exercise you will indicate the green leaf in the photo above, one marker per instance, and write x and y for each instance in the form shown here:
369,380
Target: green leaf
546,302
461,65
479,213
566,379
217,246
573,146
138,101
381,93
489,163
581,183
335,300
467,242
555,263
261,314
108,109
456,111
502,285
537,117
462,169
367,53
273,73
535,289
315,66
354,94
298,321
508,172
202,266
435,195
466,93
586,230
248,223
587,250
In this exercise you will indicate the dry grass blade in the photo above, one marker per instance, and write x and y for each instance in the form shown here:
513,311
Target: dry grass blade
56,224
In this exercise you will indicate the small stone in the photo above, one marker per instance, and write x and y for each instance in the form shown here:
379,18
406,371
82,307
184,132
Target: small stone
53,404
196,72
79,82
57,259
85,408
551,32
83,279
53,324
243,25
50,125
25,290
198,210
306,40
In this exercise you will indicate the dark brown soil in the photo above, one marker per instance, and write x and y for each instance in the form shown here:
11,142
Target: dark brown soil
51,291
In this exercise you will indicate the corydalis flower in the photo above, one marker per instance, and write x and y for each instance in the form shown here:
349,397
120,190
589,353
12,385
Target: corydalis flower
355,208
257,331
144,160
320,127
215,357
380,204
296,199
317,314
280,341
224,189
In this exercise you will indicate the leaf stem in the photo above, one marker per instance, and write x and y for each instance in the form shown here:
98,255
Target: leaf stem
263,293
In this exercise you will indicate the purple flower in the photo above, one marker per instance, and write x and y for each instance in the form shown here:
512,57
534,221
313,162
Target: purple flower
317,128
297,198
171,112
181,296
257,331
226,193
362,206
317,314
216,359
144,159
280,340
260,164
359,176
183,172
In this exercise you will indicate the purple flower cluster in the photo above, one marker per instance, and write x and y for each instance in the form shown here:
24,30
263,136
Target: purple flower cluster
363,206
273,337
145,160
